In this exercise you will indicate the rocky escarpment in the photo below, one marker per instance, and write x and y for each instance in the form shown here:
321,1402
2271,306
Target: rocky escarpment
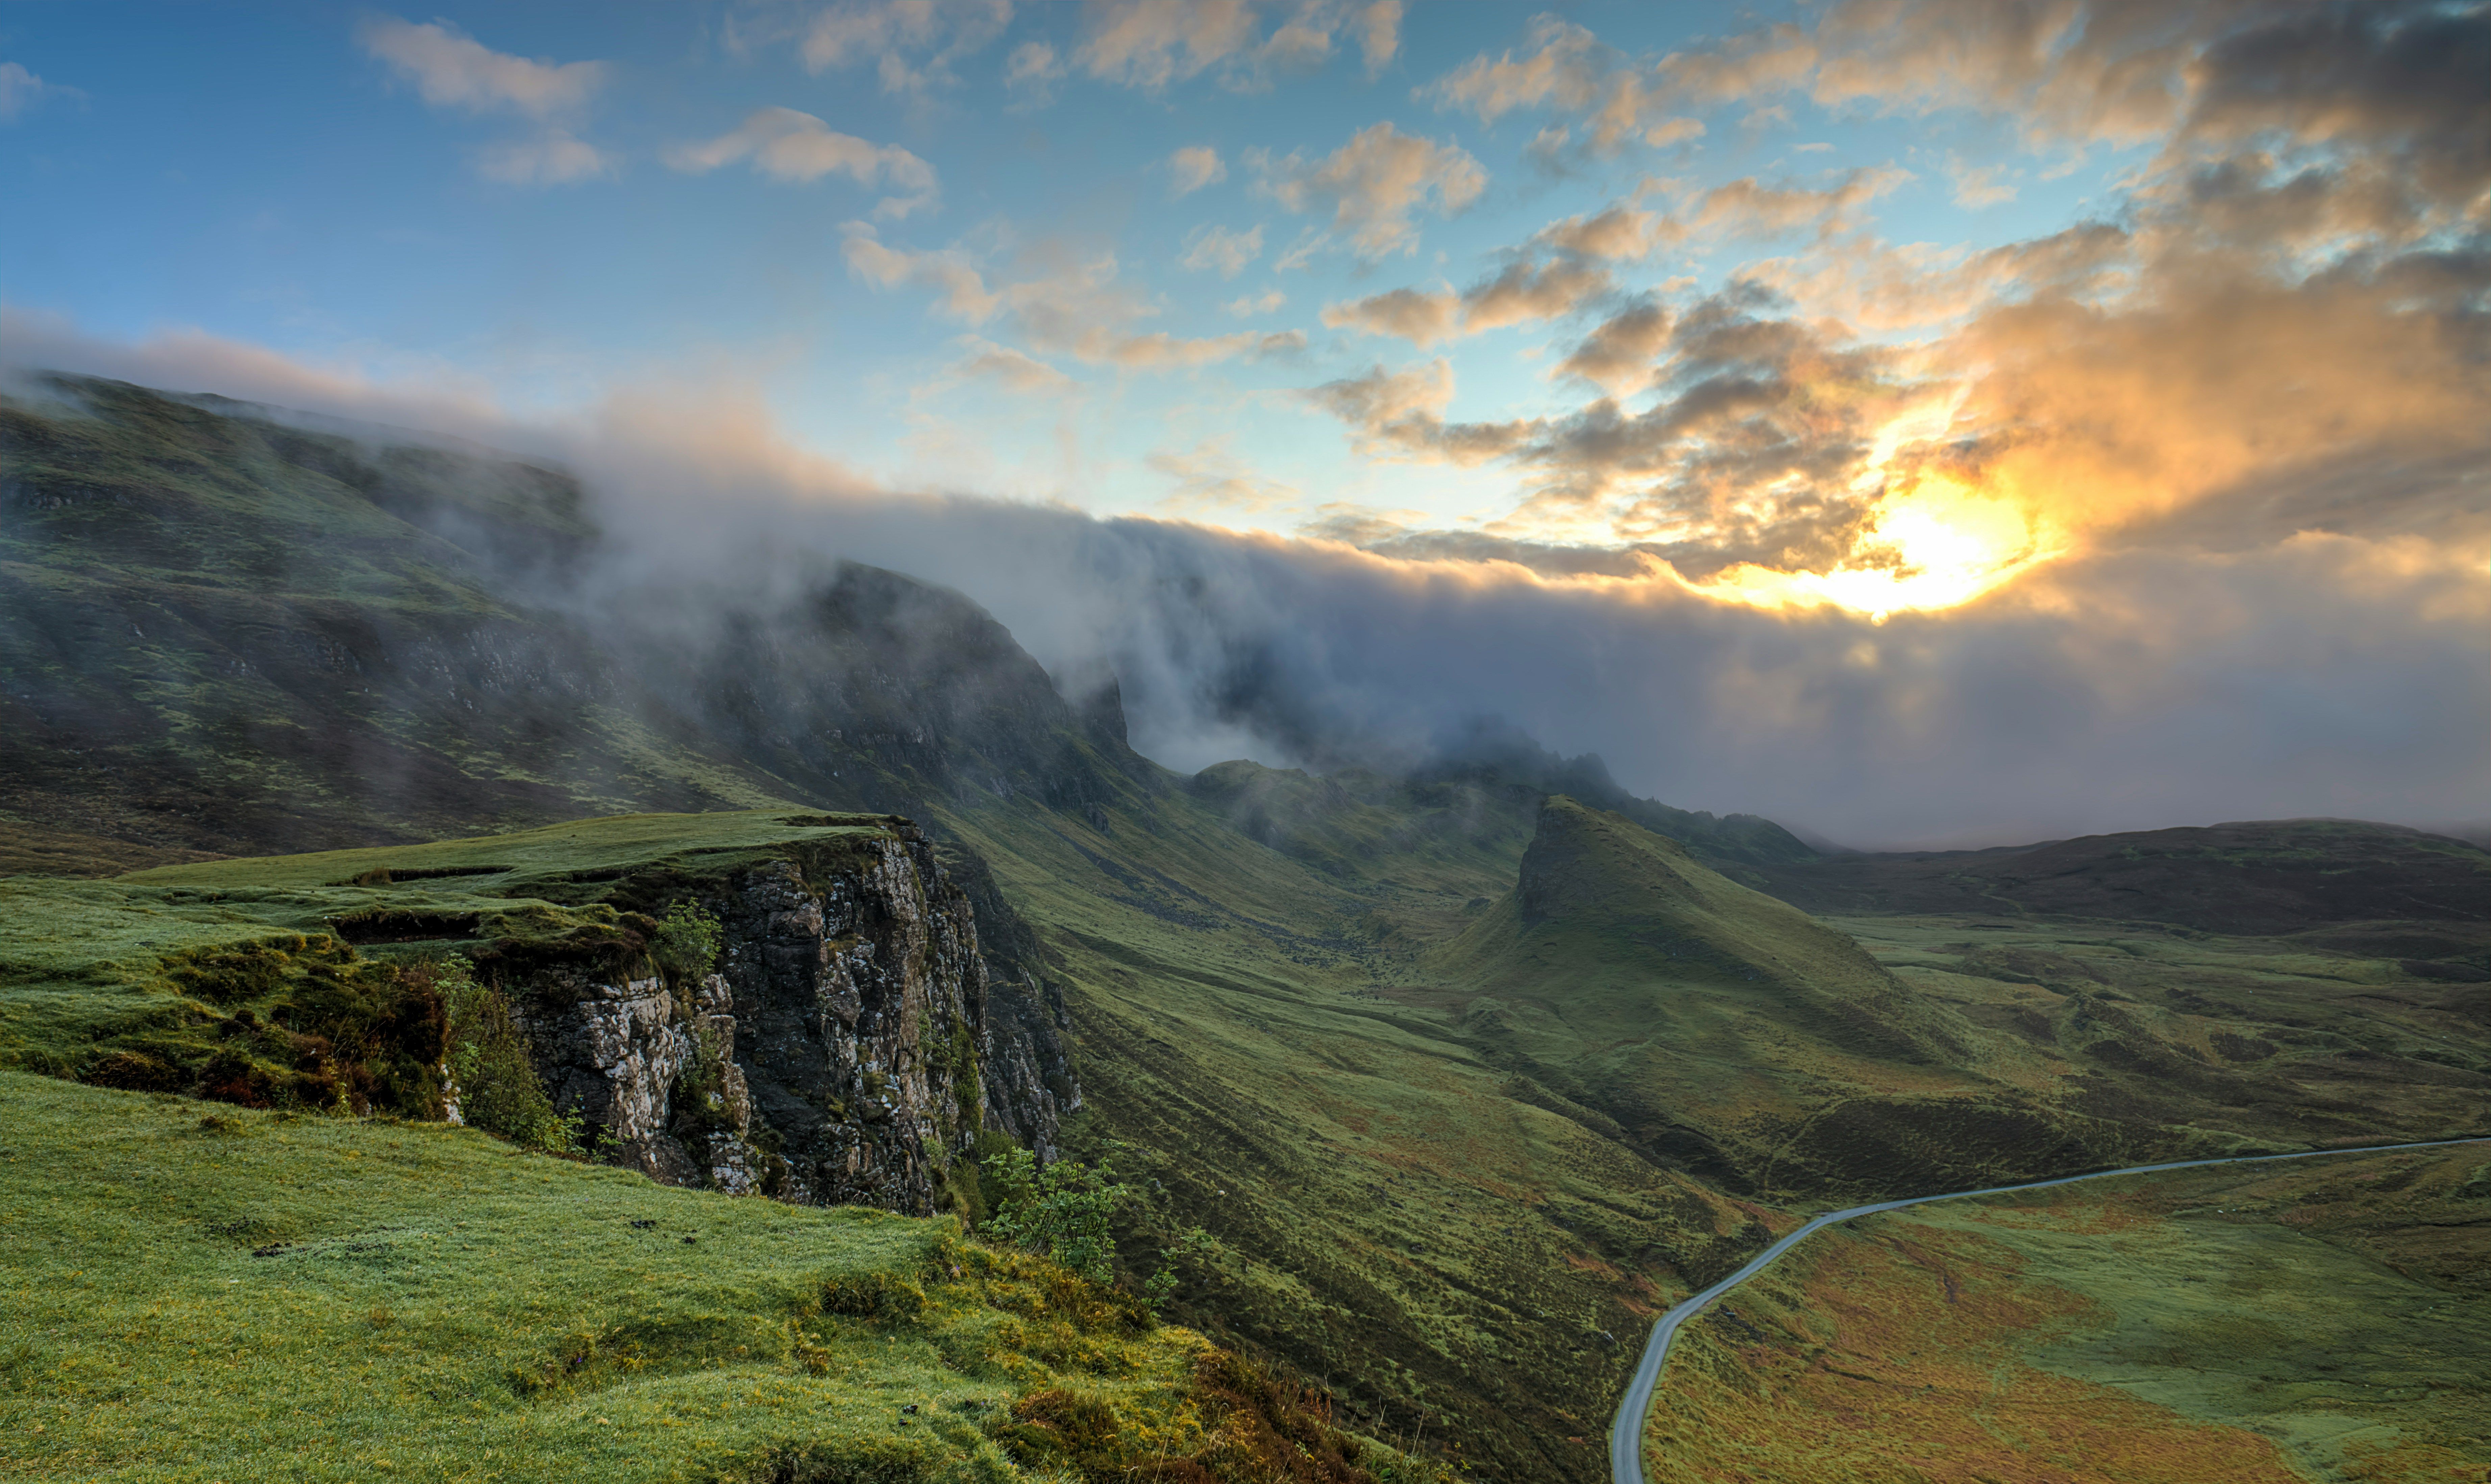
652,1070
860,998
847,1051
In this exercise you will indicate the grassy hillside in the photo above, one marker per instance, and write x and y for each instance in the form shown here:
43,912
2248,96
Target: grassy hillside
2280,1323
189,1294
1716,1027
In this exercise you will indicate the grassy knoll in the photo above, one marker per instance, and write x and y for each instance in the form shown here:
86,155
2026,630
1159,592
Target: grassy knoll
195,1293
2306,1321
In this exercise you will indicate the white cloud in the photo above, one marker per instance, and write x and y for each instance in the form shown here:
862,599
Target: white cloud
912,43
1025,374
1375,182
1033,69
453,71
1211,478
1252,304
1193,168
1218,248
553,158
1379,34
21,90
786,145
961,292
1978,186
1150,44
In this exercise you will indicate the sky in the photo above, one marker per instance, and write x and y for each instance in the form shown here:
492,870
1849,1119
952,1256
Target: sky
1926,421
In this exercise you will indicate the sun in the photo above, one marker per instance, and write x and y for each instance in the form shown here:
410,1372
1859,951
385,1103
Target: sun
1935,541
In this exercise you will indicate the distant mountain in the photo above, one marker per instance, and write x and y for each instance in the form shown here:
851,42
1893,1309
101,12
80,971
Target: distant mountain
2274,876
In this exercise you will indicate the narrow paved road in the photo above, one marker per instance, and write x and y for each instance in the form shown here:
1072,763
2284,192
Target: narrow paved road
1626,1435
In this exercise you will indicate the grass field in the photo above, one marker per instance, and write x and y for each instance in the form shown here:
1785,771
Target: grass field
193,1293
2319,1321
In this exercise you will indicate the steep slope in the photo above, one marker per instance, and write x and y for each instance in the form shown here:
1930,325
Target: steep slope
1722,1030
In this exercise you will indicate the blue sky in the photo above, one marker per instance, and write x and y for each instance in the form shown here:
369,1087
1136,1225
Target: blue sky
1917,419
294,177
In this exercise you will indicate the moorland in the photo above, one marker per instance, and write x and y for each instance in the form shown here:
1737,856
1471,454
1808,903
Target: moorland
1426,1089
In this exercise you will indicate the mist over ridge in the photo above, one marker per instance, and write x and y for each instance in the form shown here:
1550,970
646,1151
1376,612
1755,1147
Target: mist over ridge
2322,676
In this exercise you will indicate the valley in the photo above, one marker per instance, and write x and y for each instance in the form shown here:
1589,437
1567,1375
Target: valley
1431,1088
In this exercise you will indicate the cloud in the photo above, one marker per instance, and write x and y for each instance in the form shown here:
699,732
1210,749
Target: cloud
1379,34
1979,187
1217,248
912,43
2245,668
1033,69
1211,478
450,71
1193,168
786,145
961,291
21,90
1024,374
1072,306
1523,291
1570,71
1149,45
555,158
1749,208
1375,182
1252,304
1623,355
1618,232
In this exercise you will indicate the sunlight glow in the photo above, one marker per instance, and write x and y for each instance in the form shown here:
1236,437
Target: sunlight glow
1935,541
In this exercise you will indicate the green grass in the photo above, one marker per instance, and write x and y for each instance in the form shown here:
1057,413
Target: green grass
1409,1114
189,1293
2318,1321
88,968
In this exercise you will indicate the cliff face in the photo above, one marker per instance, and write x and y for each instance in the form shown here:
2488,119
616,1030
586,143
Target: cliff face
859,1001
653,1071
842,1054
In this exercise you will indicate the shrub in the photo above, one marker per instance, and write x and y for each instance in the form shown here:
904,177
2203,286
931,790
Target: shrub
687,941
1061,1210
499,1090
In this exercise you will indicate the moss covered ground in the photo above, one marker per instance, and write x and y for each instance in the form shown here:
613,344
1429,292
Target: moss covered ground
195,1293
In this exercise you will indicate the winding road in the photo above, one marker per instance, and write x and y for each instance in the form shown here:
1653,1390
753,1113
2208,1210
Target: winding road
1625,1433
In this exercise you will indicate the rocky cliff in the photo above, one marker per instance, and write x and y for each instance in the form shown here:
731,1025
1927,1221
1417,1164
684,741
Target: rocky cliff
847,1051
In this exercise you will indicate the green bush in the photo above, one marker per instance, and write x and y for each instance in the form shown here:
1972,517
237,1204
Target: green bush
499,1090
686,942
1061,1210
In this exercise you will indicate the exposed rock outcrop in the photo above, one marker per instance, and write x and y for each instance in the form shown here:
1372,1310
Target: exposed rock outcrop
651,1071
860,996
844,1054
